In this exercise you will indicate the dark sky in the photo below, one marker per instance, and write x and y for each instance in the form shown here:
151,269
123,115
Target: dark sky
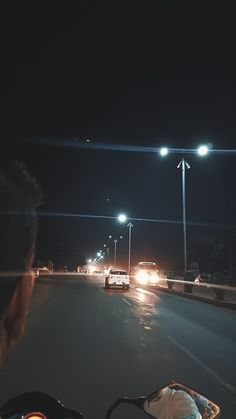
130,73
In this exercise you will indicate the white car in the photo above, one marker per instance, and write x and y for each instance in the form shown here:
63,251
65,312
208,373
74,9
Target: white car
117,278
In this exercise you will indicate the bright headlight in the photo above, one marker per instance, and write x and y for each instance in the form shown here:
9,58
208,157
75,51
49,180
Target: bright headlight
154,278
142,277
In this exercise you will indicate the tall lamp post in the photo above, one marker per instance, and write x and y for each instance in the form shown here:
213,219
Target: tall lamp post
183,164
122,218
115,245
130,226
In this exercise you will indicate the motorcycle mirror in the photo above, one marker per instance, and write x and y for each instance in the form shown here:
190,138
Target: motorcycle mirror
173,401
182,401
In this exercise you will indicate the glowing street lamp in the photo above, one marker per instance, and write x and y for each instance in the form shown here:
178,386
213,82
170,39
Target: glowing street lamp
164,151
122,218
99,254
202,150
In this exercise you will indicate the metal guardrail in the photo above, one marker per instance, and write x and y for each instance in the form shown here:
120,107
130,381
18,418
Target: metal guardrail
200,284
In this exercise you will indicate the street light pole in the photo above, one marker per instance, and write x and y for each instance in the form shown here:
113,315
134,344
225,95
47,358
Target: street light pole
202,151
130,226
183,165
115,244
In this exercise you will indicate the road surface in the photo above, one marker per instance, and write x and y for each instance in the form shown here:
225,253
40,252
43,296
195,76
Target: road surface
89,346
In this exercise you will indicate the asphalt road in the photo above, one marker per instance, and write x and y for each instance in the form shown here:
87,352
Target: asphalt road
88,346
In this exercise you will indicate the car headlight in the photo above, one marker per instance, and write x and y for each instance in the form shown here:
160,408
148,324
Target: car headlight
142,277
154,278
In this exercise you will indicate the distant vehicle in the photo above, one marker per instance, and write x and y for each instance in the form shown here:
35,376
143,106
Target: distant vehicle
147,273
117,278
44,271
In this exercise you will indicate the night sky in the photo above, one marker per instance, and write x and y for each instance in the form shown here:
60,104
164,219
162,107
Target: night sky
121,73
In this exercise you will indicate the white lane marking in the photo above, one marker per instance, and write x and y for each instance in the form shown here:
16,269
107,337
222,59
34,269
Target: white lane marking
199,362
142,291
145,292
127,302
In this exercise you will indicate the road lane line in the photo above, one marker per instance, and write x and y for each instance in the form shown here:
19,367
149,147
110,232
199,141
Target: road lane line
143,291
127,302
199,362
